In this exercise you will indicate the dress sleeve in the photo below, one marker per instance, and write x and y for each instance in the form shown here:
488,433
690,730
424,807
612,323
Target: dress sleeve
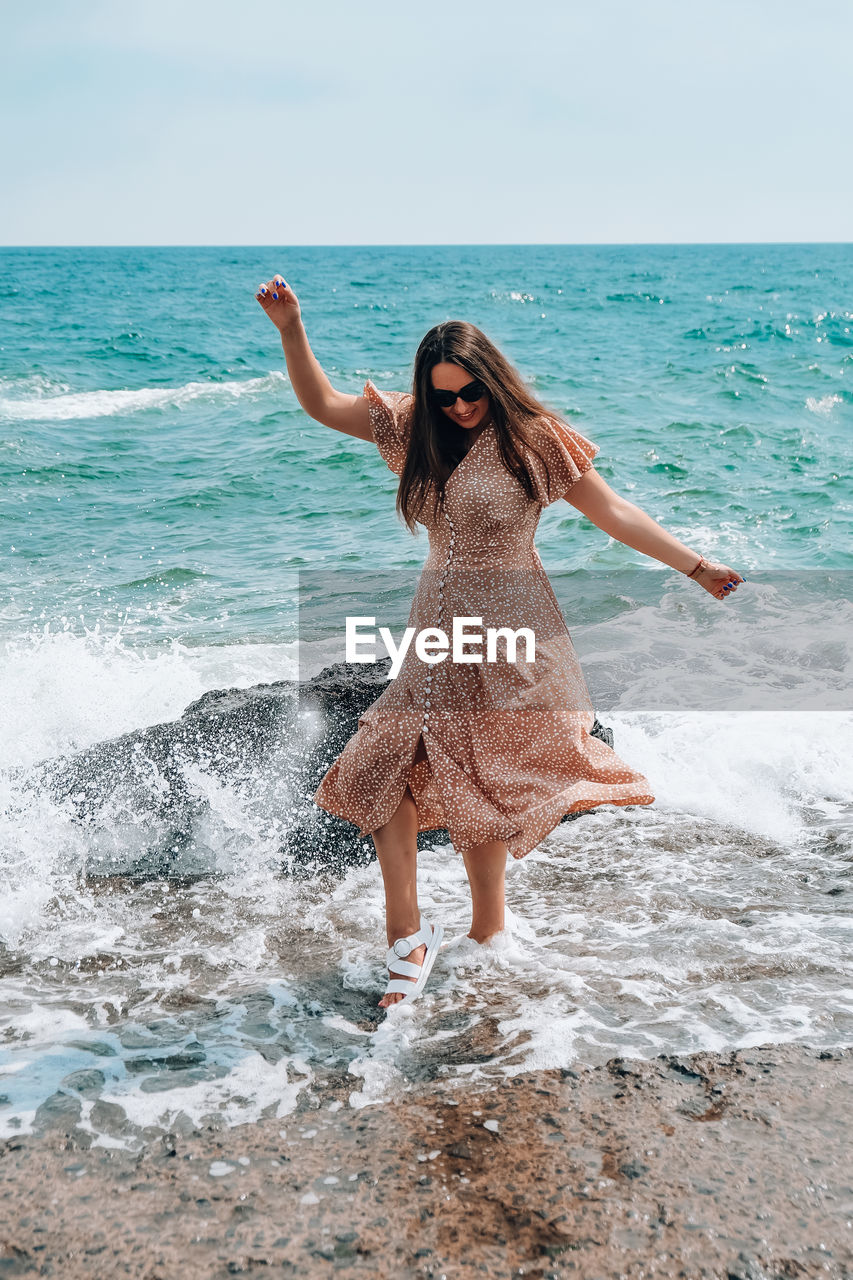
566,456
391,423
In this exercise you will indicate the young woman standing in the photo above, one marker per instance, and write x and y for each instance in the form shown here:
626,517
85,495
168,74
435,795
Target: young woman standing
497,752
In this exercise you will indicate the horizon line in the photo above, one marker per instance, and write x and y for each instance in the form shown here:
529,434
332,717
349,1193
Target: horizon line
461,244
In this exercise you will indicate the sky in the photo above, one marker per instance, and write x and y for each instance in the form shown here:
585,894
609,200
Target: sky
267,122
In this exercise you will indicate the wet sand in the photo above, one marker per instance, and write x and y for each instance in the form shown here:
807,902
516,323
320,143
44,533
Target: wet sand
737,1166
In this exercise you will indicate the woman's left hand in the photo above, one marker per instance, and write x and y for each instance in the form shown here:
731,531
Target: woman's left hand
718,579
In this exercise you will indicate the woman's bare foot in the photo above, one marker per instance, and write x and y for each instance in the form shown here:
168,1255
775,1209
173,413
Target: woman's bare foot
392,997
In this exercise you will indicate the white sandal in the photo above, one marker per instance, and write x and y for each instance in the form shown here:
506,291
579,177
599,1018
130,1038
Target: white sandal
431,934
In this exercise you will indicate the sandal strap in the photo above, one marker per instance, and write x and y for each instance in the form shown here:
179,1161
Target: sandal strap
397,987
423,934
405,967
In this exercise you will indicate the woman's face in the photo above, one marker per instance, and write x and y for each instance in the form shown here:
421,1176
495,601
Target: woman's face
451,377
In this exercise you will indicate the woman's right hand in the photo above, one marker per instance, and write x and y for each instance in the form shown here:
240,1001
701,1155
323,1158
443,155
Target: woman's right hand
717,579
279,302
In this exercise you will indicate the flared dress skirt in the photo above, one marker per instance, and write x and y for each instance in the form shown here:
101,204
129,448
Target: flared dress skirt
508,750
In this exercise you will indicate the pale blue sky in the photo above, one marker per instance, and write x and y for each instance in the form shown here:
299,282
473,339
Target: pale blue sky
456,121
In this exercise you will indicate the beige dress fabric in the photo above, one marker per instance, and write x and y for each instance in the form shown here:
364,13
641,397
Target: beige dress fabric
508,745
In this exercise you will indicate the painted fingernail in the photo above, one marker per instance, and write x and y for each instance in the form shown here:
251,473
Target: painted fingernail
275,295
263,289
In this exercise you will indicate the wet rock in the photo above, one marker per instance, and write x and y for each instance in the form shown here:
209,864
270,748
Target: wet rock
59,1110
88,1082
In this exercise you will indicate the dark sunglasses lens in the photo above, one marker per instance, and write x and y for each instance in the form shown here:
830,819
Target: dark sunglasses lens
473,391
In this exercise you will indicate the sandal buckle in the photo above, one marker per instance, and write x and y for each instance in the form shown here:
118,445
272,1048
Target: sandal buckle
405,943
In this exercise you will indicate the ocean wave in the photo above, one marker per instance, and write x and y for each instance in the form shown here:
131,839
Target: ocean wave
39,400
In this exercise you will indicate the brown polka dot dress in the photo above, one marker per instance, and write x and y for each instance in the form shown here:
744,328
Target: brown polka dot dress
507,745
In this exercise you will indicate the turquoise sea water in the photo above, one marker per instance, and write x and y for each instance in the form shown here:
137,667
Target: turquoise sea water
156,466
162,492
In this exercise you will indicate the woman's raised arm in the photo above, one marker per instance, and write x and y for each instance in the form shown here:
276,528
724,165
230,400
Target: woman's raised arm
314,391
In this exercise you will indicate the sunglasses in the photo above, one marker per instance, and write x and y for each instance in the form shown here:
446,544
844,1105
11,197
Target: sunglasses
469,393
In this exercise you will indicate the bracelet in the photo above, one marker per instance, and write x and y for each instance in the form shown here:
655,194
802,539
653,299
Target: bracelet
703,564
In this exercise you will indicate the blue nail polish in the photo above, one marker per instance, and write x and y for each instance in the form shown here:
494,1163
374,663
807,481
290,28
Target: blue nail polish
275,295
263,290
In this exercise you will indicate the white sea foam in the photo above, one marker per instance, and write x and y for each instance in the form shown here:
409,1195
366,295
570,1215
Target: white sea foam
64,691
824,405
38,400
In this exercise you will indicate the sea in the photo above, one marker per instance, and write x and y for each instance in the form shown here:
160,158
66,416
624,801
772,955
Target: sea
165,505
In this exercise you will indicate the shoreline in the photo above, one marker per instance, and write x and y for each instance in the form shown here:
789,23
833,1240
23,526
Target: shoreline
735,1165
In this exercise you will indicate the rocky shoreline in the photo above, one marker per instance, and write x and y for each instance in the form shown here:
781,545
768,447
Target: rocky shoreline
729,1166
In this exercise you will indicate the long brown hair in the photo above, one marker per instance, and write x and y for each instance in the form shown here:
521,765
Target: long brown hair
437,444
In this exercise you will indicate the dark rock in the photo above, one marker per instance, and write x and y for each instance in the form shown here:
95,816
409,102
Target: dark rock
88,1081
59,1109
621,1067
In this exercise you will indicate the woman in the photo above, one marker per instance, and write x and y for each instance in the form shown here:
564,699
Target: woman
495,751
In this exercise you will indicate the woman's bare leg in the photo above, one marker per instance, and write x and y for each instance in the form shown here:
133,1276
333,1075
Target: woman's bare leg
396,846
486,867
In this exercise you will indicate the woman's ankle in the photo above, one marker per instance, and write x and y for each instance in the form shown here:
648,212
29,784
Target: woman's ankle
483,935
407,926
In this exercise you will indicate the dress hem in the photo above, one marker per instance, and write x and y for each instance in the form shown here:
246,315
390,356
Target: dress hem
580,806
